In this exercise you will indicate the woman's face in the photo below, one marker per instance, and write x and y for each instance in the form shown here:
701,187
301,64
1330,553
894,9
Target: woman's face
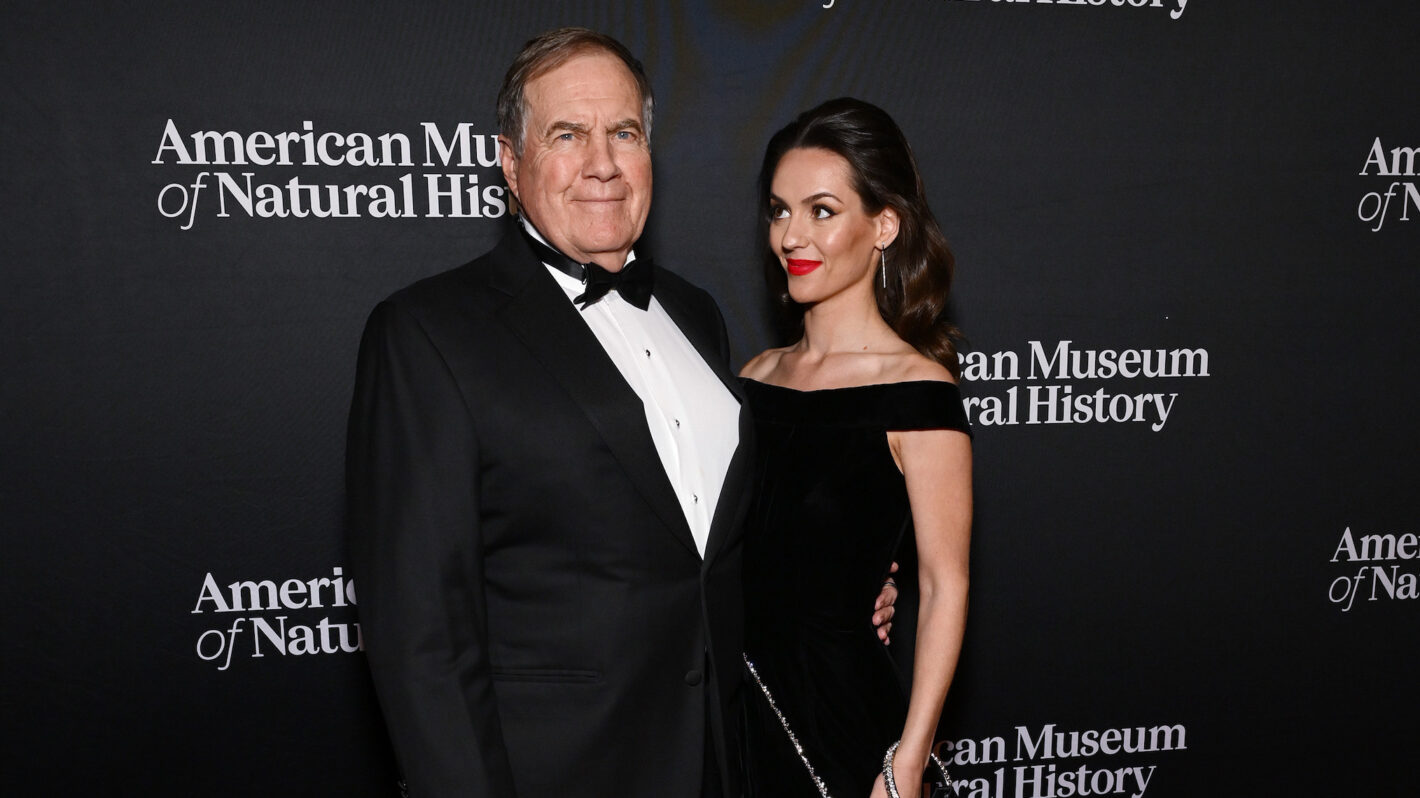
826,242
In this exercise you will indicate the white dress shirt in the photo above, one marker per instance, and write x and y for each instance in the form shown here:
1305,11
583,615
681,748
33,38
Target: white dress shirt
693,418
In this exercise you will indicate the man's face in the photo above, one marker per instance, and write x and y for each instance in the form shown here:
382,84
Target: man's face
584,178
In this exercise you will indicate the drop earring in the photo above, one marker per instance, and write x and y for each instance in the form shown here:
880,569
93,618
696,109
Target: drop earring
882,258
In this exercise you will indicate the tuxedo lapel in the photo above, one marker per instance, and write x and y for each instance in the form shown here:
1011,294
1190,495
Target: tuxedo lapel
735,492
540,315
704,336
701,335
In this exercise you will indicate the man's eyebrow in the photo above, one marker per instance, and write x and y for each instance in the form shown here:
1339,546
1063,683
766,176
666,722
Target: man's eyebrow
566,127
625,124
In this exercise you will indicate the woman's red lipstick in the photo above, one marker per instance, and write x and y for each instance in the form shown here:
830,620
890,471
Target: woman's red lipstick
799,268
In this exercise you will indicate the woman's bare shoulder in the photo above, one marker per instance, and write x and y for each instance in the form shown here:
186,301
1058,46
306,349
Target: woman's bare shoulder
916,367
763,364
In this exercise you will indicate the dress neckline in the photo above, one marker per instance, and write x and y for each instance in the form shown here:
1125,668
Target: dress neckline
848,387
906,405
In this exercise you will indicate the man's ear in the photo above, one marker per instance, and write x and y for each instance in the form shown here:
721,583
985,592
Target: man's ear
509,161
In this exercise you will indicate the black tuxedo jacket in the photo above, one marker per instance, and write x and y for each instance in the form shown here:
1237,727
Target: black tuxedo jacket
537,618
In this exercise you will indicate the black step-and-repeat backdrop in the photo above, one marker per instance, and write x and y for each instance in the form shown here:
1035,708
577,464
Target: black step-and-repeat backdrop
1186,233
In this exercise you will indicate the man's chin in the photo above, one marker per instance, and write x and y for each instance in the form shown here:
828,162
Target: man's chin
591,247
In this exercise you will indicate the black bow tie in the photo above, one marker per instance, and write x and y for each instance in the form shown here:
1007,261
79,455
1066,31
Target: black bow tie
634,282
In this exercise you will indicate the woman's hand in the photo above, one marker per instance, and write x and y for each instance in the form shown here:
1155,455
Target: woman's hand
883,608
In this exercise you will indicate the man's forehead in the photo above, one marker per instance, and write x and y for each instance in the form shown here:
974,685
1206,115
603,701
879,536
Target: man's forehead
582,86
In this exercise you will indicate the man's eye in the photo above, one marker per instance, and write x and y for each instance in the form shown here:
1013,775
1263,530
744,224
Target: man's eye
564,137
625,135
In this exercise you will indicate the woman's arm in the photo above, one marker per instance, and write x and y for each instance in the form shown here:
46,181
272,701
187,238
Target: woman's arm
937,467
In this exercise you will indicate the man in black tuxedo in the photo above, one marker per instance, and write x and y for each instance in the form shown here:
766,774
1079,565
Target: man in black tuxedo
547,470
545,482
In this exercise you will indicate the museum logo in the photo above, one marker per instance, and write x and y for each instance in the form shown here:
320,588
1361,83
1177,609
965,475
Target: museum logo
1400,197
271,618
1175,7
1067,384
1044,762
1384,568
448,173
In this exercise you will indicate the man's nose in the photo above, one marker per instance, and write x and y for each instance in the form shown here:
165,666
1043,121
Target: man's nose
601,159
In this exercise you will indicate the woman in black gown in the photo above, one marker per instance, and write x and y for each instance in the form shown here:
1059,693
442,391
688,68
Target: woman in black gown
864,456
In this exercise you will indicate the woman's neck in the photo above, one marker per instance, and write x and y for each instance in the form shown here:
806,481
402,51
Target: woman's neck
844,324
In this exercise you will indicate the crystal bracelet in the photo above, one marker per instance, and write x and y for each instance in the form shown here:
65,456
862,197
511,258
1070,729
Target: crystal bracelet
891,784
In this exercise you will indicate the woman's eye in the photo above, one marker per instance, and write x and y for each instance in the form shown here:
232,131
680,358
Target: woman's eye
820,212
778,212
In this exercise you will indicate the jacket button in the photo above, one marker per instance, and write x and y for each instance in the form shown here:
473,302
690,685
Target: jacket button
692,678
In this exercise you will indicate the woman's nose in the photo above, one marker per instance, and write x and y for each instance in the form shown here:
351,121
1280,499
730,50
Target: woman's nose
792,234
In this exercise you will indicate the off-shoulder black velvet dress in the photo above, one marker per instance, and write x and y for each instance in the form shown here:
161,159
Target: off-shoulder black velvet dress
829,516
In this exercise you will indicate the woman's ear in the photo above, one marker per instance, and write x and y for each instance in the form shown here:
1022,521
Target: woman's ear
887,227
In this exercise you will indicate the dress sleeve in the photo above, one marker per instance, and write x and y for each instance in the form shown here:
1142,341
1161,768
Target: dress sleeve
924,405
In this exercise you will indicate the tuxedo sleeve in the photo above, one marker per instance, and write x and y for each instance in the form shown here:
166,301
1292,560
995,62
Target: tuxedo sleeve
415,548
